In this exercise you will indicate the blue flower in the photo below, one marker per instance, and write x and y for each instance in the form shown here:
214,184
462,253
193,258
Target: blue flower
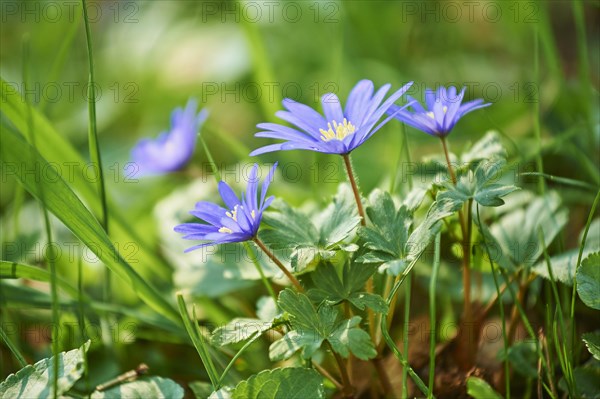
340,131
171,150
443,110
238,223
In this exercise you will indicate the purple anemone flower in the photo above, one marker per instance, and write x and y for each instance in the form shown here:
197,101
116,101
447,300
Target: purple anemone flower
238,223
442,112
340,131
171,150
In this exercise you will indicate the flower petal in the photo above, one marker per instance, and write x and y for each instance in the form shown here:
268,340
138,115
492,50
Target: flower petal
332,108
229,197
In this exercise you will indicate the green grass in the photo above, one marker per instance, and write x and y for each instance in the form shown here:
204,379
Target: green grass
141,59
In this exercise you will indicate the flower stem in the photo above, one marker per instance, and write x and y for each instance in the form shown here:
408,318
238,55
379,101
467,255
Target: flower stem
467,262
347,389
264,279
447,154
468,342
280,265
355,190
327,375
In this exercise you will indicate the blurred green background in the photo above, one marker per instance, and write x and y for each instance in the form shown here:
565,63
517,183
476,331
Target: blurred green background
241,58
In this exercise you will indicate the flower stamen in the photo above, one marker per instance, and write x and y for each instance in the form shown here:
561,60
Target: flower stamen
225,230
431,114
338,131
233,213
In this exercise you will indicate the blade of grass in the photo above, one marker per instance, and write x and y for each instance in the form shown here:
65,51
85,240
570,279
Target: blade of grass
14,270
579,256
50,255
262,66
13,348
59,61
432,312
213,166
236,357
583,69
236,147
59,199
560,342
501,308
563,180
388,339
536,109
403,153
70,163
18,201
405,332
198,341
96,158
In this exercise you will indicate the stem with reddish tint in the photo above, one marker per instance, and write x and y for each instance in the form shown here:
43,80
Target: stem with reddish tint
347,389
466,349
369,284
361,212
280,265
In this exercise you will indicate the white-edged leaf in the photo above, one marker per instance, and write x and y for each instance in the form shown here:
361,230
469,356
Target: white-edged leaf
592,342
281,383
37,381
588,281
143,388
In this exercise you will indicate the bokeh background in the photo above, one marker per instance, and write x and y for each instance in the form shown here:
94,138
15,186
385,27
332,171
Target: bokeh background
534,60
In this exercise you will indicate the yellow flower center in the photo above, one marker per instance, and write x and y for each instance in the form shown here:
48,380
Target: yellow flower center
233,216
233,213
432,116
338,131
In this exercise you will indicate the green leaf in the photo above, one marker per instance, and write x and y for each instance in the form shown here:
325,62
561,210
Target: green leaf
488,147
308,242
238,330
586,382
390,225
243,329
223,393
143,388
373,301
312,327
19,270
514,240
339,219
282,383
287,227
291,343
66,206
588,281
330,288
201,389
592,341
388,239
266,309
563,265
523,356
425,232
348,337
479,389
479,186
36,381
414,198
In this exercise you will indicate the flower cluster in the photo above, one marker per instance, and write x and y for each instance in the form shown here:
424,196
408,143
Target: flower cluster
340,130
